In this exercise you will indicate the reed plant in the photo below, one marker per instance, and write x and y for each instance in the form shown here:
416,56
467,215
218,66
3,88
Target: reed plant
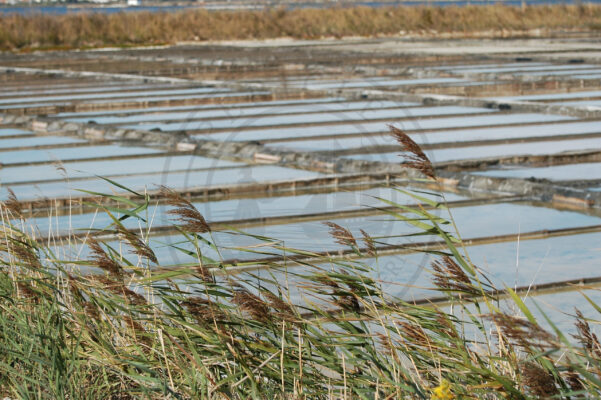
84,30
118,323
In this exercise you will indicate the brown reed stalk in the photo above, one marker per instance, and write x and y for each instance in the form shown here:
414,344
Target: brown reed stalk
585,335
448,275
138,246
101,259
13,204
342,235
186,214
538,380
523,332
415,156
369,243
252,305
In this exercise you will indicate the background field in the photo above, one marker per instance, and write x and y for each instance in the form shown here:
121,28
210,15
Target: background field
20,32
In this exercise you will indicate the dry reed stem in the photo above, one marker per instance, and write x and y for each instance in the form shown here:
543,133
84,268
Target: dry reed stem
448,275
538,380
415,157
523,332
101,259
369,243
585,335
190,218
12,204
342,235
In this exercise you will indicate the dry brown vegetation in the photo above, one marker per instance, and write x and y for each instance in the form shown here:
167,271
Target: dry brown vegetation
93,30
119,323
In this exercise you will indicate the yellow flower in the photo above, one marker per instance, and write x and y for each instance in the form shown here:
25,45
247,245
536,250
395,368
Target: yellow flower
442,391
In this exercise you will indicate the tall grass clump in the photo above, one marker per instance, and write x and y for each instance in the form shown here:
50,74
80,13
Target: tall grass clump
118,323
82,30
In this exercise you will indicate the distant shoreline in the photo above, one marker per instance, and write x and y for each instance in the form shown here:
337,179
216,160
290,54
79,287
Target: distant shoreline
52,31
111,8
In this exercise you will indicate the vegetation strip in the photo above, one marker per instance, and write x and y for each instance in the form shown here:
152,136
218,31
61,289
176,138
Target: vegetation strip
28,32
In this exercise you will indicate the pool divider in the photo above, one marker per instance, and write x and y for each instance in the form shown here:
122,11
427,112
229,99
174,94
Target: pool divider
298,260
160,230
499,104
339,170
389,148
533,290
531,160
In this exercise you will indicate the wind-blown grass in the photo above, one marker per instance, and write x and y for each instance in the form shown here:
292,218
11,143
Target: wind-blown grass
111,325
22,32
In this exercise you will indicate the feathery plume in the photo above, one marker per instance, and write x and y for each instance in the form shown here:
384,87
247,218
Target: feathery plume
342,235
450,276
574,381
190,218
348,302
133,324
251,304
385,342
118,288
24,252
540,382
13,204
101,259
26,291
523,332
205,274
91,311
369,243
415,157
204,310
414,333
284,309
445,324
585,336
139,247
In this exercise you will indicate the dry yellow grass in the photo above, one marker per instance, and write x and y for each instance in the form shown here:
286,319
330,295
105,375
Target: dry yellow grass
125,29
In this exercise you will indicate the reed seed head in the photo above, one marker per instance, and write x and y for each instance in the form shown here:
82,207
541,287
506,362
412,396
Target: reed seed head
205,274
574,380
585,335
25,290
284,310
523,332
12,204
448,275
190,218
538,380
342,235
138,246
102,260
204,310
120,289
24,252
415,157
348,302
369,243
251,304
